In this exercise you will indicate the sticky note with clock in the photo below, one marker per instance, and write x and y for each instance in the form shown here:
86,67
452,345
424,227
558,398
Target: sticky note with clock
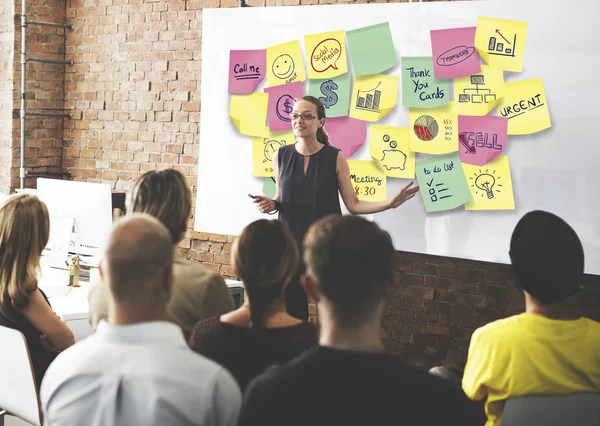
264,149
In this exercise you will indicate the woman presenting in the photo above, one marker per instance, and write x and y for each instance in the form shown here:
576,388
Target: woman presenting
309,174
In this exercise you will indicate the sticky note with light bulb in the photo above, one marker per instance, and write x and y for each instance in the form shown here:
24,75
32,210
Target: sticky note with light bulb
481,139
490,186
389,147
265,148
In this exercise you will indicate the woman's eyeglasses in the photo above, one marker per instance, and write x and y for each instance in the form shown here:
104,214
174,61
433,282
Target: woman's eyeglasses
304,117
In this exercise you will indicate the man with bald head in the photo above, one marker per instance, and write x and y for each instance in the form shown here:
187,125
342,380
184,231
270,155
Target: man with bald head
137,369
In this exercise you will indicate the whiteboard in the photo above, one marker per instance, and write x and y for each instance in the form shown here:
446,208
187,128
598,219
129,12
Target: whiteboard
555,170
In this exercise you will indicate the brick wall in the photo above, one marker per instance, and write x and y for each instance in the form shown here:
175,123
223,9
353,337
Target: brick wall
134,92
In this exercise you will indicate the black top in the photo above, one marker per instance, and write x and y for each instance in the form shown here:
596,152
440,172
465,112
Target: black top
328,386
245,352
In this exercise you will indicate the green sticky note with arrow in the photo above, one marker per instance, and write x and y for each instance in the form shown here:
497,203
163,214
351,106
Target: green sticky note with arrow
334,94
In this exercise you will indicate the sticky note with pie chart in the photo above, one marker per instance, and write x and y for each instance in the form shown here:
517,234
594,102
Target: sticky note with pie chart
490,186
368,180
284,64
249,113
435,130
281,104
326,54
265,148
481,139
526,107
501,42
389,147
373,96
479,93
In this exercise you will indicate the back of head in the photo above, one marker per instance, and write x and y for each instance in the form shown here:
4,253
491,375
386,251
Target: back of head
165,195
265,257
547,257
24,232
138,261
351,260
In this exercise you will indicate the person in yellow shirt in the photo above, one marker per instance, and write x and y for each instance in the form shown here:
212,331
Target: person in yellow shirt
544,350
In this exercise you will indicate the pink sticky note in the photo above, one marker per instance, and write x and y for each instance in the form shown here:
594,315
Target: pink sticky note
454,53
247,68
281,104
481,139
347,134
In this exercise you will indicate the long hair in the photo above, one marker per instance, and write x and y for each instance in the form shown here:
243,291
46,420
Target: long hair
322,135
265,258
24,232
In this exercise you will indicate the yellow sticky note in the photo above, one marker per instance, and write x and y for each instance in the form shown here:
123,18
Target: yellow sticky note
434,130
490,186
326,54
373,96
249,113
479,93
389,146
265,148
284,64
526,107
501,42
368,180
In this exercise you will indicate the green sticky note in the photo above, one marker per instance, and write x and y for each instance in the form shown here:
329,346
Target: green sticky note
334,93
371,49
442,183
268,188
420,89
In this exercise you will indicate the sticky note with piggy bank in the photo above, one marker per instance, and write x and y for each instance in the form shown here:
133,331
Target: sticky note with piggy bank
326,54
389,147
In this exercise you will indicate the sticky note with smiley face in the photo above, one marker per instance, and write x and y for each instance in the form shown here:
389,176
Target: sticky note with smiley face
284,64
326,54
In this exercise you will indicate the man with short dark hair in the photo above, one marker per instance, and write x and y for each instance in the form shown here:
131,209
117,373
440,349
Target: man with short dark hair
545,350
349,379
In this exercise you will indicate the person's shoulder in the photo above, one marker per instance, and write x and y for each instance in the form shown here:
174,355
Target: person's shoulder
205,330
499,329
186,272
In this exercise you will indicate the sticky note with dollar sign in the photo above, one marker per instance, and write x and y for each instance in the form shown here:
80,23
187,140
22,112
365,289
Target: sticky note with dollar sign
334,94
326,54
281,104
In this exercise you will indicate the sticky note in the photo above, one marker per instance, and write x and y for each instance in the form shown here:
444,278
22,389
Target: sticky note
284,64
390,148
326,54
265,148
247,69
501,42
371,49
249,113
281,104
347,134
420,88
269,187
334,94
525,106
434,131
479,93
373,96
491,186
481,139
442,182
454,52
367,180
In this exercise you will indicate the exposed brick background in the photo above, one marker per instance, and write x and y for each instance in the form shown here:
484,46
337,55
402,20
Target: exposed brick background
134,92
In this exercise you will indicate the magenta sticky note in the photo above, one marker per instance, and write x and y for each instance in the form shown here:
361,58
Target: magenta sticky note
347,134
481,138
281,104
247,69
454,53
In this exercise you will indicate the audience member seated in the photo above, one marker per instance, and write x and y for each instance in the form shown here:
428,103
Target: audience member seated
24,232
260,333
349,379
137,369
197,292
545,350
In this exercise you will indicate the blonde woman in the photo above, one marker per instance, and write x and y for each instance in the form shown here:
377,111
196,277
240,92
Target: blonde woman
24,232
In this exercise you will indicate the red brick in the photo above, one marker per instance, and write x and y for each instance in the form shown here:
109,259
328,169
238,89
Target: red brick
448,272
415,304
423,293
403,267
216,247
435,282
463,287
402,314
438,330
470,300
388,345
401,290
222,259
425,339
400,336
445,296
426,317
437,307
412,280
414,349
463,312
424,268
205,257
414,327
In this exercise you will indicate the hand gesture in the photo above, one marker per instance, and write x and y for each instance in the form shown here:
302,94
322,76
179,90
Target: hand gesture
405,194
265,204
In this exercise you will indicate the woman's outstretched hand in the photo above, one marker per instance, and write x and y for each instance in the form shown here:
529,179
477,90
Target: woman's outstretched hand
404,195
265,204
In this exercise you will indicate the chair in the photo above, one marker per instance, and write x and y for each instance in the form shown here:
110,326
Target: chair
18,391
579,409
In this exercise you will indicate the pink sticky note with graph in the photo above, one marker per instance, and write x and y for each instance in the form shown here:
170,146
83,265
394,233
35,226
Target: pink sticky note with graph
481,138
347,134
454,53
281,104
247,69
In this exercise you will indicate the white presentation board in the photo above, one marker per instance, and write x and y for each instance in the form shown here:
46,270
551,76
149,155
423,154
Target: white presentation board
554,170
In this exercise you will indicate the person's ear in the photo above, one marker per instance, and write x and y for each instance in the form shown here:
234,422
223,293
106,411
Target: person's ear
310,287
